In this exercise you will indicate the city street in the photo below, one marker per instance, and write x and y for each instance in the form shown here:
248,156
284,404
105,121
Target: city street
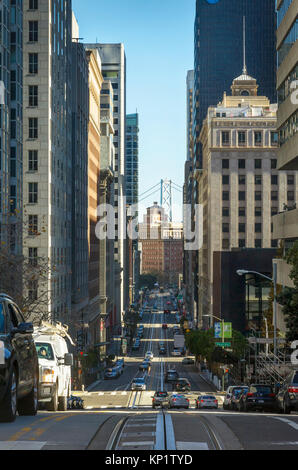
117,418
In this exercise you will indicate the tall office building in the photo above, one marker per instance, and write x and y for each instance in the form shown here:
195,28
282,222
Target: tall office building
240,188
219,53
132,158
80,121
286,223
47,166
11,123
114,70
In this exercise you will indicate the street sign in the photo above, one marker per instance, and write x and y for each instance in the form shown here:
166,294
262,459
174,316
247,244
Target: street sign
223,345
254,340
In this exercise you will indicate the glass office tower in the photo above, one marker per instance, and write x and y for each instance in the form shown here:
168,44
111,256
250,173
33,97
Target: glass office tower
219,51
132,158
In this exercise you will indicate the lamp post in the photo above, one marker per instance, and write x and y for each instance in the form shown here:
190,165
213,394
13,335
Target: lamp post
242,272
223,340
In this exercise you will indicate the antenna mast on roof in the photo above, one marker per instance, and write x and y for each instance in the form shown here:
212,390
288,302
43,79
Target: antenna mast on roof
244,47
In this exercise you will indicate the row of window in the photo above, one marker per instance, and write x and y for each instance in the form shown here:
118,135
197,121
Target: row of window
258,195
241,227
242,243
258,163
242,211
258,179
242,138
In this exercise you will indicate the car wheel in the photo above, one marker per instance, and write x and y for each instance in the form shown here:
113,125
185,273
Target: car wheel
28,405
62,404
8,406
53,404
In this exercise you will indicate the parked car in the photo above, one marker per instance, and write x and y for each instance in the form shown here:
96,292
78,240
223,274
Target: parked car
182,385
19,371
138,384
228,395
287,395
236,392
176,352
75,403
145,366
177,400
162,351
149,355
161,345
206,401
136,346
112,373
160,399
120,363
257,397
171,375
188,361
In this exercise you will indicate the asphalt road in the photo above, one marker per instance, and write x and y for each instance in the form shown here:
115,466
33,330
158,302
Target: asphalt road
117,419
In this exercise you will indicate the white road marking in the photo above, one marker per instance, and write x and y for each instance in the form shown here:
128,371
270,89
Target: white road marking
285,443
137,443
287,421
21,445
192,445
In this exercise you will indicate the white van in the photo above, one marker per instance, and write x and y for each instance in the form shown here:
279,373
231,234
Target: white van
55,363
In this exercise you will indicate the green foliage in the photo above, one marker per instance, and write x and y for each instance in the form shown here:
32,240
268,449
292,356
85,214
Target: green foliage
200,343
289,296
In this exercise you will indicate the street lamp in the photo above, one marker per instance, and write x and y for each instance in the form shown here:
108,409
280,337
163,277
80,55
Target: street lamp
242,272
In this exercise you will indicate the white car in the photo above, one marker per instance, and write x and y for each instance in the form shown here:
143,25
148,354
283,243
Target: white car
176,352
149,355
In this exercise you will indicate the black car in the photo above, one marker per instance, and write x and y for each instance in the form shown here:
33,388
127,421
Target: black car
160,399
171,375
287,395
181,385
145,366
19,367
257,397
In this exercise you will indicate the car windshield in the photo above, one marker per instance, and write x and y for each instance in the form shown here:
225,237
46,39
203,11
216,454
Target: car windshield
44,351
138,381
161,394
208,397
260,389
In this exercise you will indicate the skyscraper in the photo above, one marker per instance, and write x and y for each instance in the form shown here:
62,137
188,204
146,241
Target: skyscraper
219,52
132,158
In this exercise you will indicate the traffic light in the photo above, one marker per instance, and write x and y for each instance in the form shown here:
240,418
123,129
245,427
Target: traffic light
80,341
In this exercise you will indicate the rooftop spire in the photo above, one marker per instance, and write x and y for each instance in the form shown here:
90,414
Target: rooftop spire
244,47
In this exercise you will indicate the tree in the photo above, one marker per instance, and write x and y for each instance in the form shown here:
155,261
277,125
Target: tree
200,343
289,296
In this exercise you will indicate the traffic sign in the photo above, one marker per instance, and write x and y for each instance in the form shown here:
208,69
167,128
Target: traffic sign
223,345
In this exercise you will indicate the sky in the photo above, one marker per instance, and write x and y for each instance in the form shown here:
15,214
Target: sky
158,40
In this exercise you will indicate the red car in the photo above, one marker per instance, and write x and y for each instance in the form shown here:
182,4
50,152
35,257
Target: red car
165,326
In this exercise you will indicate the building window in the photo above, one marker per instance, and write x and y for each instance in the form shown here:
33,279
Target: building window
241,138
33,160
291,196
225,164
33,63
258,179
258,228
241,163
32,255
225,228
225,196
290,180
242,212
258,164
33,128
274,210
258,243
258,211
241,243
274,139
225,244
226,212
241,196
33,96
241,228
33,225
33,4
258,195
273,164
274,179
33,290
225,138
258,138
274,195
225,179
241,180
32,193
33,31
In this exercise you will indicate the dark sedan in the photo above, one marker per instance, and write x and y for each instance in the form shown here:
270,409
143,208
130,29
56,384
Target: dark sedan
287,396
257,397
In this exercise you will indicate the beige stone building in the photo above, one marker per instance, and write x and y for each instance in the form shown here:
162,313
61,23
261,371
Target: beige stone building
286,222
240,187
47,150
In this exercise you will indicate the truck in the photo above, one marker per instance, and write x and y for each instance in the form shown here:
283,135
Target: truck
54,361
179,344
